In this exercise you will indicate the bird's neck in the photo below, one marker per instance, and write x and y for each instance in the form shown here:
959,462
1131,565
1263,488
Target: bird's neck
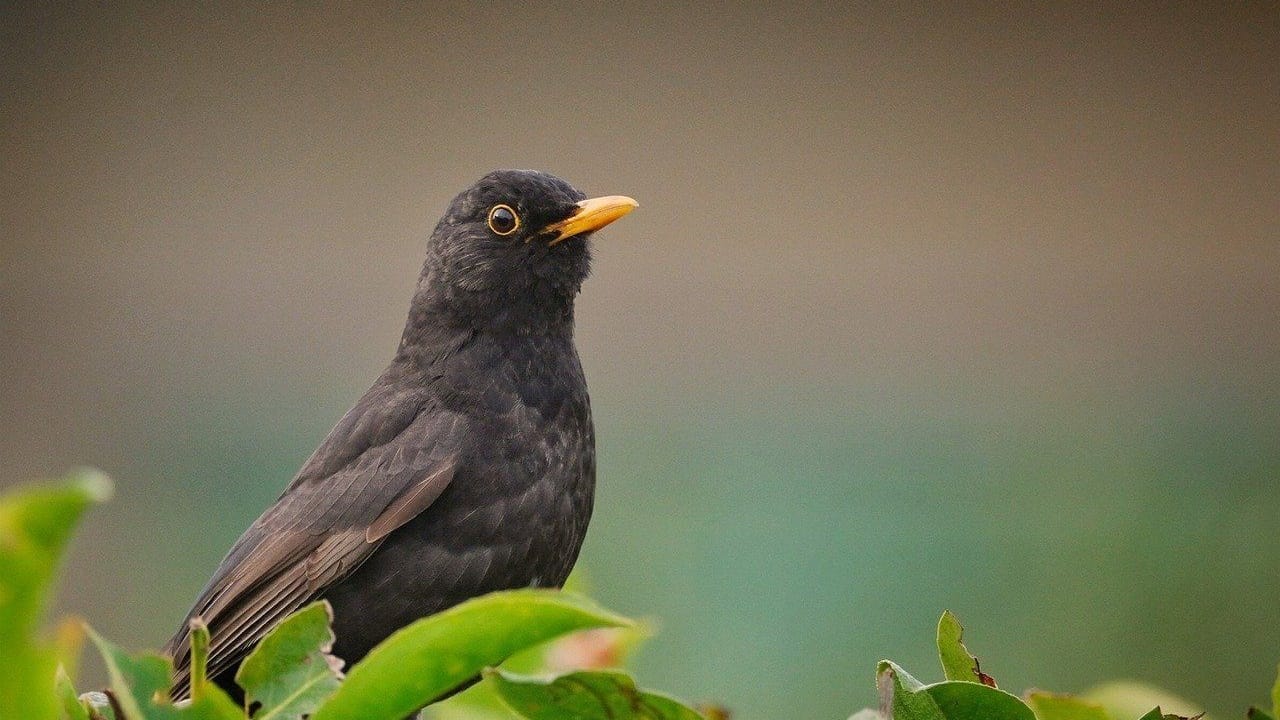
439,322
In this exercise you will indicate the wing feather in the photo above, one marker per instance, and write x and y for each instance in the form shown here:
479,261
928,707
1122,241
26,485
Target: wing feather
412,503
380,467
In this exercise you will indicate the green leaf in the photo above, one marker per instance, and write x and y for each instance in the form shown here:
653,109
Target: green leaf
971,701
140,685
1126,699
35,524
72,708
957,662
136,681
1275,695
587,695
215,705
437,654
292,671
1052,706
1256,713
595,649
199,658
902,697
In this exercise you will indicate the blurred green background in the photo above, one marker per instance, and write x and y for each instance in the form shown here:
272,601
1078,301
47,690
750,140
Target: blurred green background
973,308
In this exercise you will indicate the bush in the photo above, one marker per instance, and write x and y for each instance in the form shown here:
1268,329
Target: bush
502,637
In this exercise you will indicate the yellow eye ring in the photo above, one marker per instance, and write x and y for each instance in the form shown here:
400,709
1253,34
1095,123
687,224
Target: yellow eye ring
503,220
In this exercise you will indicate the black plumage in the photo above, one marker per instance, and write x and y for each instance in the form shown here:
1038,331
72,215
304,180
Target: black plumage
468,467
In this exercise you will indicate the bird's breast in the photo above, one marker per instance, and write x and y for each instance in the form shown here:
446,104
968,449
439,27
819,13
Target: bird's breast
530,475
514,515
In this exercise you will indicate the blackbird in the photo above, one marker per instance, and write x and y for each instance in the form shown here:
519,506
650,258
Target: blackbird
468,467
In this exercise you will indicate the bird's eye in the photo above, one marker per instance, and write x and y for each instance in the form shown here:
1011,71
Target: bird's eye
503,220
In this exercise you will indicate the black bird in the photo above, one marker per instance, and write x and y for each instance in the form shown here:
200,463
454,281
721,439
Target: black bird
468,467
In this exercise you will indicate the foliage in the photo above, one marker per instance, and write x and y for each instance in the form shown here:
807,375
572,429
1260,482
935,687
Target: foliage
35,525
598,694
291,672
510,639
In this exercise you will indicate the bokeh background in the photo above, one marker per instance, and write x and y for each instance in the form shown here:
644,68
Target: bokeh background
972,307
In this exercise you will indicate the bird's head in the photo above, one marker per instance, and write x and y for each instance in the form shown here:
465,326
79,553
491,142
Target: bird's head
512,248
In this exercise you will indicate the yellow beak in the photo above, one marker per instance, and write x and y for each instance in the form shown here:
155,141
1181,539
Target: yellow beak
592,215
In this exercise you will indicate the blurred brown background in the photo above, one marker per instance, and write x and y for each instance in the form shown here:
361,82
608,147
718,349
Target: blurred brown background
970,307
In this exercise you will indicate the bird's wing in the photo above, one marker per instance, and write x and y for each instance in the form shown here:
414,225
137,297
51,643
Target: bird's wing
387,460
